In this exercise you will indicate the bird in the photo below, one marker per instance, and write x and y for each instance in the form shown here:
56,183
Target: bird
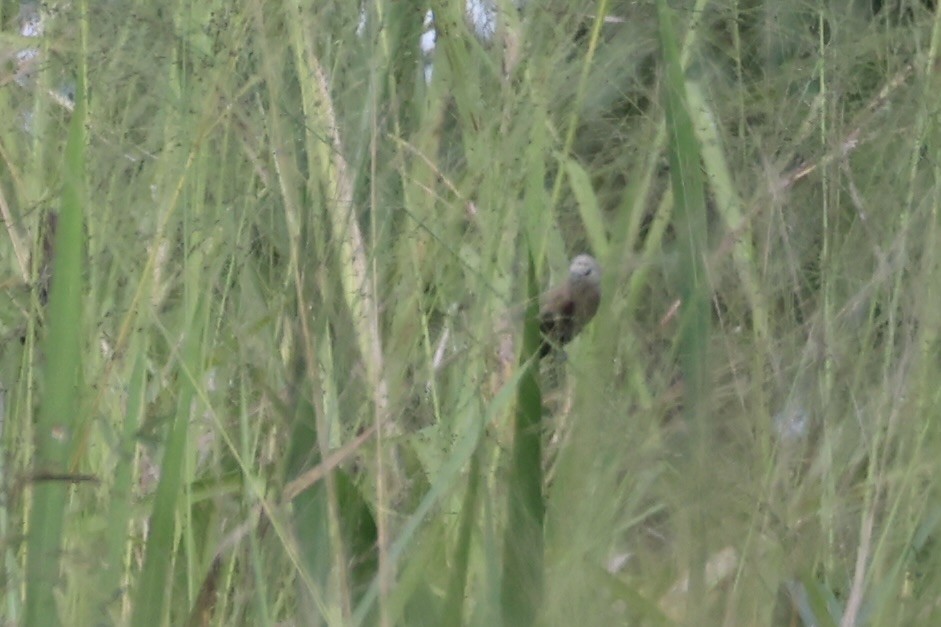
565,309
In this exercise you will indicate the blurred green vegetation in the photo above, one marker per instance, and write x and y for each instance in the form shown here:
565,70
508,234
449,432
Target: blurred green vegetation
265,366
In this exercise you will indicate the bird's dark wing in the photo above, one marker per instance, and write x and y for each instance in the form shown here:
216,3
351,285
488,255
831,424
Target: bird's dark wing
556,323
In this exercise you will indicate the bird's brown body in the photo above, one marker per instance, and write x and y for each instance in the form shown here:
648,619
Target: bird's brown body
567,308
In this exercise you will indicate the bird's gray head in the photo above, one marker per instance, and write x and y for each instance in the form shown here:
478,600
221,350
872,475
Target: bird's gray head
585,268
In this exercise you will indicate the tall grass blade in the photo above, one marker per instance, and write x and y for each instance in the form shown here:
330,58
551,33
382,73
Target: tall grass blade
454,599
522,586
58,419
150,595
689,198
120,507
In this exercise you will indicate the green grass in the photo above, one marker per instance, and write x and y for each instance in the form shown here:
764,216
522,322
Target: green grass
268,366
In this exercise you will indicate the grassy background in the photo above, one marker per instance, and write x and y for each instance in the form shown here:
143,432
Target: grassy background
253,373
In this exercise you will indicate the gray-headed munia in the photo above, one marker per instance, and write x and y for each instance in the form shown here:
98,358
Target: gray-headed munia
565,309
